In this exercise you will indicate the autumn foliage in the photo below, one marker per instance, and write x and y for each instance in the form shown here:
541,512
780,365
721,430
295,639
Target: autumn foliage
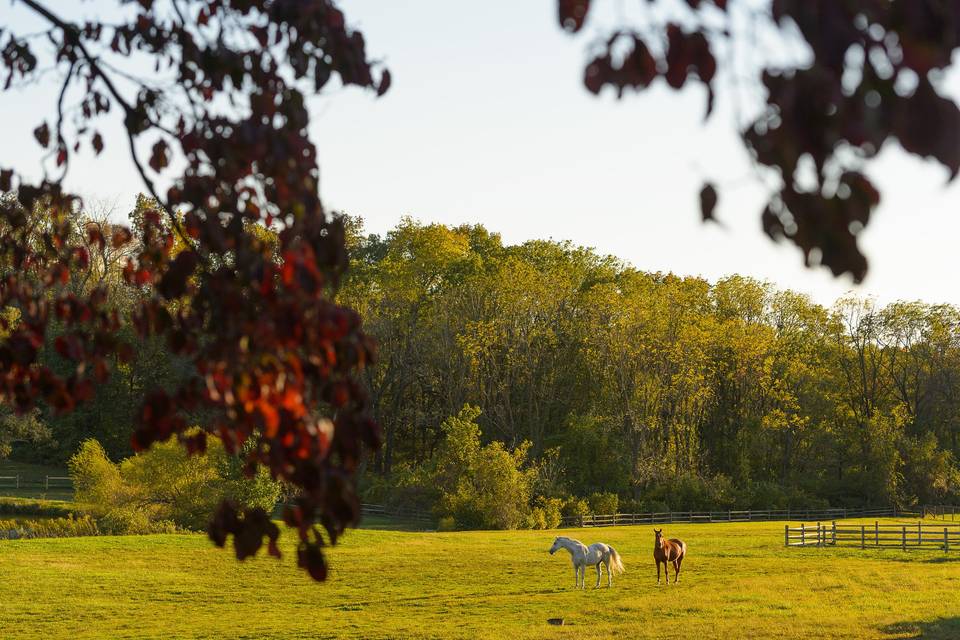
274,358
862,73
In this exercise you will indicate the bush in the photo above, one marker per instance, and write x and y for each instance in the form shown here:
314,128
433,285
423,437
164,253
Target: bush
133,521
603,503
96,480
164,488
49,528
691,492
537,519
575,507
446,523
481,487
551,509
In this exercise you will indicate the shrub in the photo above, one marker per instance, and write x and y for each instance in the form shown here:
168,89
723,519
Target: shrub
603,503
692,492
550,508
446,523
575,507
96,480
537,519
131,520
163,488
48,528
481,487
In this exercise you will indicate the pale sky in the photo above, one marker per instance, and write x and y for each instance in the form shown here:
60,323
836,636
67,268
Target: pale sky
488,122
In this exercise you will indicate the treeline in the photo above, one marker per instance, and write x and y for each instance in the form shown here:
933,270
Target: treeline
586,378
669,392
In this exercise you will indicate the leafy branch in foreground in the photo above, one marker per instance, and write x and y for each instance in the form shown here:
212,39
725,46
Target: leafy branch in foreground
838,80
215,89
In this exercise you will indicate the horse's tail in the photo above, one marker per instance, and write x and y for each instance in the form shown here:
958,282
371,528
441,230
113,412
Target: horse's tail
616,564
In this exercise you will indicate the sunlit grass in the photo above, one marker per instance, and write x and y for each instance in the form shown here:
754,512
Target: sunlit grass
738,582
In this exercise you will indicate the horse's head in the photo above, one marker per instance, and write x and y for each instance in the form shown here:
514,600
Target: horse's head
556,545
658,541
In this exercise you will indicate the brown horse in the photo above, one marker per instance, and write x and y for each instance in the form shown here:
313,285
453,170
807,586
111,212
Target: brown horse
673,551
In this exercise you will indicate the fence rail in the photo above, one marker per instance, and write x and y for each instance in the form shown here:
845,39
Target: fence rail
877,535
64,481
397,512
14,481
942,511
748,515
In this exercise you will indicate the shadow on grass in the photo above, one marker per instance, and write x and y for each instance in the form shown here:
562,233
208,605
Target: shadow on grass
941,629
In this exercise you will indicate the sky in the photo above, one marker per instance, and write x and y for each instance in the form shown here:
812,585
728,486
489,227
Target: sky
487,121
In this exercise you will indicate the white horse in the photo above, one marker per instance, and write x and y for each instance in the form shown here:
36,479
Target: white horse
582,556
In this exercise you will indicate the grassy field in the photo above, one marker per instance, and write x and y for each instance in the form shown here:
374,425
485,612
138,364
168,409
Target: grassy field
739,582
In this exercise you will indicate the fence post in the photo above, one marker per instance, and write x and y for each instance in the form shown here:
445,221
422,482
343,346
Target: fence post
863,536
803,534
919,534
946,540
818,534
876,532
903,539
833,542
18,481
786,535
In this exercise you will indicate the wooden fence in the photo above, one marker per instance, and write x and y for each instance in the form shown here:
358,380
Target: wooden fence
941,511
10,481
877,535
400,513
749,515
63,482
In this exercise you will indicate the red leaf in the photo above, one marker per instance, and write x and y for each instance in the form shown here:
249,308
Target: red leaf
160,157
42,134
384,83
121,236
174,281
573,13
708,201
271,418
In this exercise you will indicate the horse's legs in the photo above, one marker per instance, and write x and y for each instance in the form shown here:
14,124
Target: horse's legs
679,562
597,586
609,574
658,573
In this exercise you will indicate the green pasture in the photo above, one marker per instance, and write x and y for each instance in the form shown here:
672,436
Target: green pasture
739,582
